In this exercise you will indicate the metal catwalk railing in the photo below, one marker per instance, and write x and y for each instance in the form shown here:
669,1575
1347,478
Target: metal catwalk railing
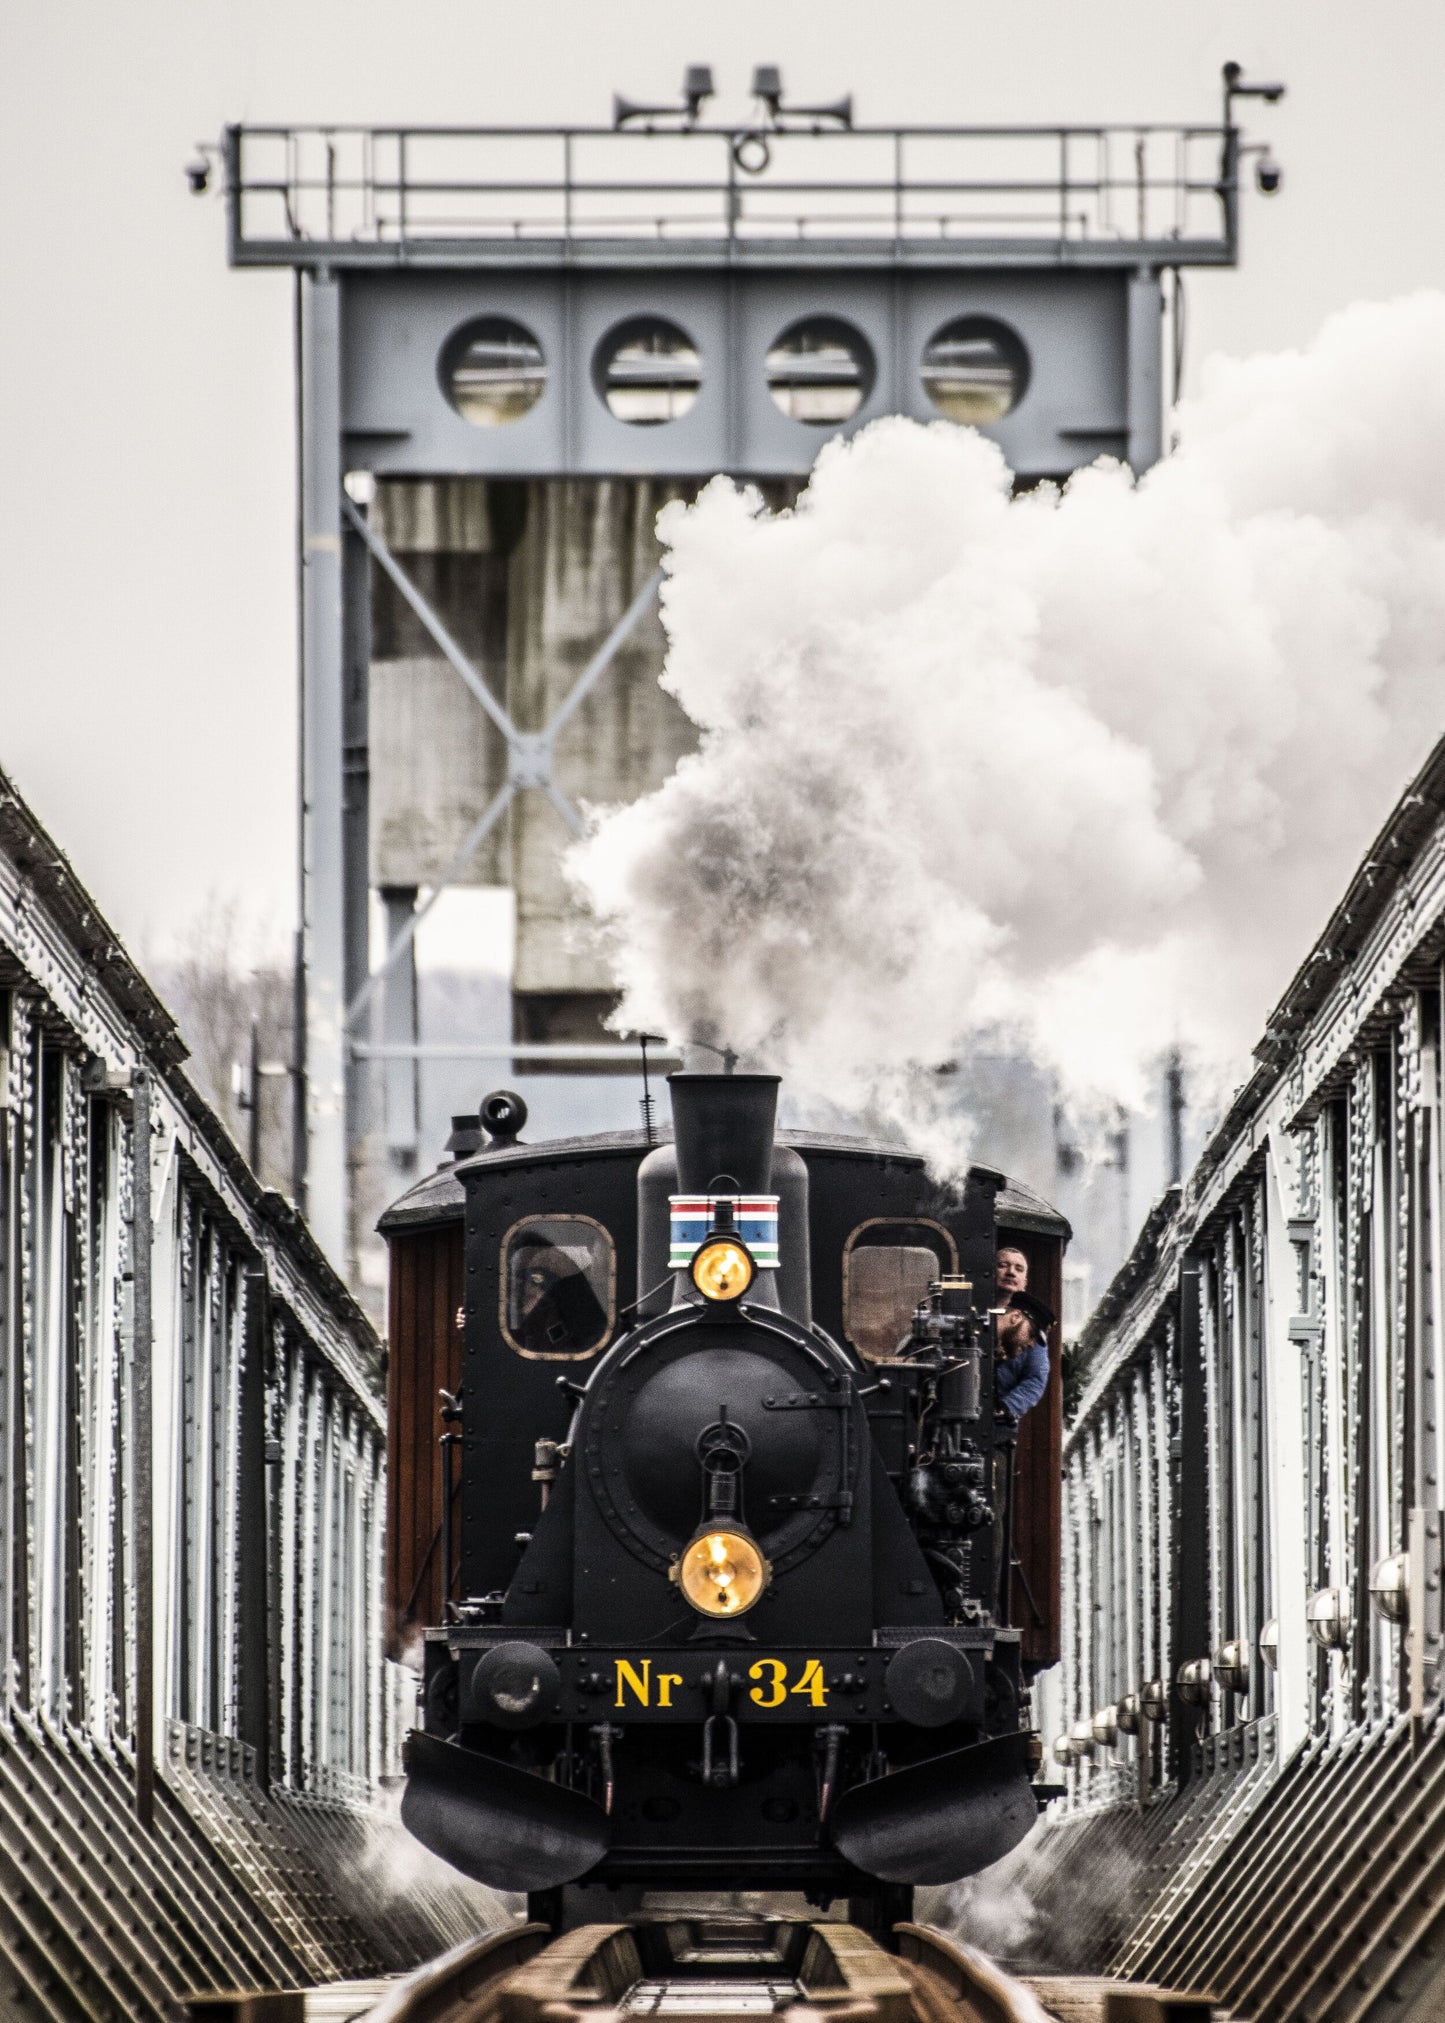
394,189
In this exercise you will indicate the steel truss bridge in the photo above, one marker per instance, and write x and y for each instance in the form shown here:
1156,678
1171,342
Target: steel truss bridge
194,1715
1253,1508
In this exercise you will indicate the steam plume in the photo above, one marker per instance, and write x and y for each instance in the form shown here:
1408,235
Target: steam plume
1084,769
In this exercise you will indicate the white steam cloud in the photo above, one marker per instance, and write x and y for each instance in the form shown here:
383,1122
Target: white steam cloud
1080,770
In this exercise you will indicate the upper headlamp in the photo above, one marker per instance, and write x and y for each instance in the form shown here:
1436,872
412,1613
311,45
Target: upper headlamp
722,1241
723,1268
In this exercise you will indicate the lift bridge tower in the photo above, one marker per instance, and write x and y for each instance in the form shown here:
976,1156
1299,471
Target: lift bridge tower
514,344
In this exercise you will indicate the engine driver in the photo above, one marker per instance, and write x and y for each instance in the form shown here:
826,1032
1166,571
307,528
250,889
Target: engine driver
551,1304
1022,1373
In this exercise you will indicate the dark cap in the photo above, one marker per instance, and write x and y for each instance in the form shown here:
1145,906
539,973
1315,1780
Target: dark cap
1038,1313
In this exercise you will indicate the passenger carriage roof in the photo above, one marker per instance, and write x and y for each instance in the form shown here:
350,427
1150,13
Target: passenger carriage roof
441,1196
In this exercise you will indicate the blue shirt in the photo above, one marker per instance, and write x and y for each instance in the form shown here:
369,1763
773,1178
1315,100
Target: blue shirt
1020,1381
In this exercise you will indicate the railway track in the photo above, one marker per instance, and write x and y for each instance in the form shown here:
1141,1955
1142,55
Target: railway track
721,1968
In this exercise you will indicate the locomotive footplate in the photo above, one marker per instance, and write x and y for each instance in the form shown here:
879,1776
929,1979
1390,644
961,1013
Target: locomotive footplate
928,1679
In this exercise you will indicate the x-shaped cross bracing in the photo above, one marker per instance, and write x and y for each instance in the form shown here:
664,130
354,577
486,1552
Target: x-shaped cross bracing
529,753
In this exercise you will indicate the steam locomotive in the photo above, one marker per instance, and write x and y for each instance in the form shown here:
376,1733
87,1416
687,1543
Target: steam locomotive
739,1582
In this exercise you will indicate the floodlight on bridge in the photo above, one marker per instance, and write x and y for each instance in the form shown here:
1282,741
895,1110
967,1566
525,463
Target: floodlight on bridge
1390,1588
1105,1726
1193,1682
1328,1619
1232,1665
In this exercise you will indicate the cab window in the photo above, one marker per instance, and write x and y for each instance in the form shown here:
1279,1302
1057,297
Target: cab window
559,1277
888,1266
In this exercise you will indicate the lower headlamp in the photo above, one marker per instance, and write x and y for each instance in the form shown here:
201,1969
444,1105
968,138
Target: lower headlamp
722,1572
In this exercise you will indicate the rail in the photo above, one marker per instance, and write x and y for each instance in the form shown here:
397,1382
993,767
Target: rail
393,195
454,1983
955,1983
952,1980
818,1972
461,1976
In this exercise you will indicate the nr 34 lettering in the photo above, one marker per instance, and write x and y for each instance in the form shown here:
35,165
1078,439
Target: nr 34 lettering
772,1682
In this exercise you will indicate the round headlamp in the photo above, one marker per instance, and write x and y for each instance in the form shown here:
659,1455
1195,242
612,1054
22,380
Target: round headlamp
723,1268
722,1573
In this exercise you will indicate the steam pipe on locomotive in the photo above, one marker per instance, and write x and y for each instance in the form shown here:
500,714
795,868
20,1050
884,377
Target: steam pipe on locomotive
949,1343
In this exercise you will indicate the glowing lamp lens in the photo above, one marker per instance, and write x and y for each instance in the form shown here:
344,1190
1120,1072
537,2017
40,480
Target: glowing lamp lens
722,1269
722,1573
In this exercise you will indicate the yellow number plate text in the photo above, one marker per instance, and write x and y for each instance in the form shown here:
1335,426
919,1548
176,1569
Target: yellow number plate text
640,1682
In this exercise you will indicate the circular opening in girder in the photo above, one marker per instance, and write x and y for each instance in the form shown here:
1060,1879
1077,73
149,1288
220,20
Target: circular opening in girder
820,371
648,371
493,372
975,370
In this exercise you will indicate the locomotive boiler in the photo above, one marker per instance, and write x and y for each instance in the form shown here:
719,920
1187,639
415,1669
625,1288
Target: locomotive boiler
727,1591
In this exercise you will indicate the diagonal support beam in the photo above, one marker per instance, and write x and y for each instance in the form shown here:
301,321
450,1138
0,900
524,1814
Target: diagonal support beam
451,870
429,618
607,652
566,808
529,753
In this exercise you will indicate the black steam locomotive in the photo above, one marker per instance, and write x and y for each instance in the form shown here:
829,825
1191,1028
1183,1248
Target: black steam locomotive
740,1600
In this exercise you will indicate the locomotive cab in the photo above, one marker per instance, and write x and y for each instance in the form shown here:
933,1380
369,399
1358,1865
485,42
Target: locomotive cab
738,1580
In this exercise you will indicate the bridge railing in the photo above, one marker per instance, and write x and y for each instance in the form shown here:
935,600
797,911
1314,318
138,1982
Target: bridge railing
368,193
1252,1479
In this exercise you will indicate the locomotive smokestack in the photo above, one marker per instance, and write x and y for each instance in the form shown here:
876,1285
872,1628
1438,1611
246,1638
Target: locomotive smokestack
723,1124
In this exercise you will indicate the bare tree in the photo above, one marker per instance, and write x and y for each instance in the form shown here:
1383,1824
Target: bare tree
222,976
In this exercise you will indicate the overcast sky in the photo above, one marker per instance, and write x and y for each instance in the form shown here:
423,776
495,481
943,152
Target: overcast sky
147,445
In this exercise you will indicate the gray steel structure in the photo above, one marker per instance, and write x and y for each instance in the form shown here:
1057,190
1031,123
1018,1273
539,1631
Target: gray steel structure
194,1715
1253,1506
403,238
